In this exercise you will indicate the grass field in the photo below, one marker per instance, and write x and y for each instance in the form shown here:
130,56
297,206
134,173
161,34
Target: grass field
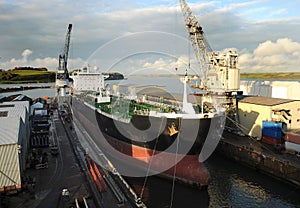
272,76
30,72
26,76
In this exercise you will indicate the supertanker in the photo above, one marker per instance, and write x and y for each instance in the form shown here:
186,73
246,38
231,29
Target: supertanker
148,133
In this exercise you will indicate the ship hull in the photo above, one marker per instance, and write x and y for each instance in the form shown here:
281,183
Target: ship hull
148,144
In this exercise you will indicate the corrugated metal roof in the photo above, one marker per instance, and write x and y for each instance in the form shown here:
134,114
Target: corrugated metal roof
17,104
267,101
10,174
9,130
15,109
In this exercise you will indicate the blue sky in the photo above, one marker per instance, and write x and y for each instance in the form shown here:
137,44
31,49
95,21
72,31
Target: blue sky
32,33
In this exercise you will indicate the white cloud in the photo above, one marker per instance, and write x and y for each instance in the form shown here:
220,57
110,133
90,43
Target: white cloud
41,27
280,11
26,53
50,63
280,56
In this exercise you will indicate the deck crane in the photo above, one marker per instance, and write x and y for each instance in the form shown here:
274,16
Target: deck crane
218,71
62,76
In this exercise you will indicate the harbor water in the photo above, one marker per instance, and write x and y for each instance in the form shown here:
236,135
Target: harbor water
232,185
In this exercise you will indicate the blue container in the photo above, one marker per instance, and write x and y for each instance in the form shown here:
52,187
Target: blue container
272,129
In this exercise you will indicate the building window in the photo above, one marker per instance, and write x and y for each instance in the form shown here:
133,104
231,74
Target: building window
3,113
7,106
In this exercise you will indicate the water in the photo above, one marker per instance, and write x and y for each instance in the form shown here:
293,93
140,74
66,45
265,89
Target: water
232,185
34,93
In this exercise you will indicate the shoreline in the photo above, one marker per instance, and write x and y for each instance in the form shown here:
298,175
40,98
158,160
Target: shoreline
22,88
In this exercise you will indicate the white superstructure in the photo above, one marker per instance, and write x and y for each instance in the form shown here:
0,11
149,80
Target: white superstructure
88,81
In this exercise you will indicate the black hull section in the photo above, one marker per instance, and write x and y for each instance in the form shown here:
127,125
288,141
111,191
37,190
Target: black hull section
152,133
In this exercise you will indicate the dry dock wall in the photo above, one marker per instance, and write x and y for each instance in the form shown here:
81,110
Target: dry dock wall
285,169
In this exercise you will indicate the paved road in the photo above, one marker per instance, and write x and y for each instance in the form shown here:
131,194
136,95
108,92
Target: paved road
63,172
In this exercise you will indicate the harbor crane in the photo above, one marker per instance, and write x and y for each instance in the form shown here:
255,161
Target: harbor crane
62,76
218,70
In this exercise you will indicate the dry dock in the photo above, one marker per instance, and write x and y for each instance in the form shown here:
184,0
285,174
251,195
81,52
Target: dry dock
262,157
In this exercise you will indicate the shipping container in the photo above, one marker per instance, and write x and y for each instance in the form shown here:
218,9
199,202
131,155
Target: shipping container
292,137
292,146
272,129
270,140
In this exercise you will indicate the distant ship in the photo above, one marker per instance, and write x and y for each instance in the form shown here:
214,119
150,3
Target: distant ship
150,130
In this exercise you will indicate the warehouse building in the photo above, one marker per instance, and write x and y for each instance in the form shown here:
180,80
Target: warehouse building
18,109
275,89
14,143
252,111
12,159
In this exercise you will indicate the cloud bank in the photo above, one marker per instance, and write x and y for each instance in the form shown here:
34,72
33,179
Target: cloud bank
283,55
33,33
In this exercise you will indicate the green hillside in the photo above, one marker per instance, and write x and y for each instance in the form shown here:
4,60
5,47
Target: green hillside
272,76
26,75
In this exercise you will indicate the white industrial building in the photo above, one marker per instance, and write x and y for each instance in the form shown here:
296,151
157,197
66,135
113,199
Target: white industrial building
19,109
253,110
14,140
275,89
12,159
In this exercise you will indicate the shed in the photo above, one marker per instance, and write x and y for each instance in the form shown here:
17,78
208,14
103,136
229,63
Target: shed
253,110
37,105
18,109
12,160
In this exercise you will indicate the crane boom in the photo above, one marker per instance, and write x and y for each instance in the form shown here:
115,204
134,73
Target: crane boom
218,71
67,45
62,76
63,58
198,40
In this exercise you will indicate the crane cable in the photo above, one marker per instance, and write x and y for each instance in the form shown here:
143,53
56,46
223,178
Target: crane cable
175,169
241,127
151,160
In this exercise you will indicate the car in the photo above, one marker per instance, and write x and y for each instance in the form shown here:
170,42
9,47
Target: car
54,150
41,166
65,193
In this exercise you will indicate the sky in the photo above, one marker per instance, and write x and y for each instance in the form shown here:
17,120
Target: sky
142,36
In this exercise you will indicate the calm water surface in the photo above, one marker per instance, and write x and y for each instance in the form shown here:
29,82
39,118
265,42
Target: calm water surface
232,185
50,92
